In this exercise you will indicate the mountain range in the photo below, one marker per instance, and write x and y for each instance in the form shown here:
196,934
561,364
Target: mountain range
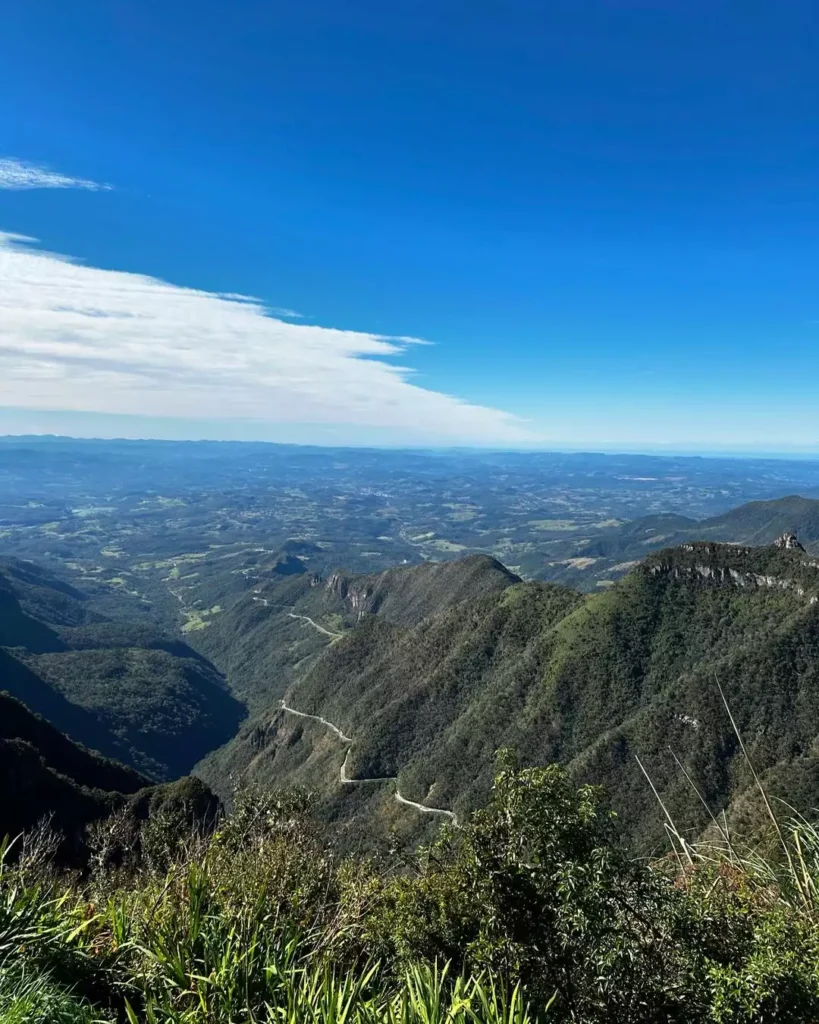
388,694
425,687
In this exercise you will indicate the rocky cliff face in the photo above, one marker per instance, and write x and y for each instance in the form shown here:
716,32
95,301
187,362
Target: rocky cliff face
356,593
723,574
408,594
740,566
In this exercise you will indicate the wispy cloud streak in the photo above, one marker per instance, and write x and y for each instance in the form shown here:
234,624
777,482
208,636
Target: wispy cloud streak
17,175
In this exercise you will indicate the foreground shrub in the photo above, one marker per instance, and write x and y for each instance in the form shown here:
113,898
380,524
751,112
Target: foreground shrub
532,911
536,888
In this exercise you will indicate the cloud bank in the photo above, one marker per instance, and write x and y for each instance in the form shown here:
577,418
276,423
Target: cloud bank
79,338
18,175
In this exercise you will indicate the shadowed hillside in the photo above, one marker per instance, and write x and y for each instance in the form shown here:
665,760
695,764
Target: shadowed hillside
46,775
122,688
47,778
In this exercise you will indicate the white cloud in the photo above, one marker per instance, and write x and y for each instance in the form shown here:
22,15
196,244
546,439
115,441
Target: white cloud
18,175
288,314
78,338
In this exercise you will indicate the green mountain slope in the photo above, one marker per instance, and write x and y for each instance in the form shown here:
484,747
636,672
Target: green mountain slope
119,687
84,767
588,681
45,774
269,636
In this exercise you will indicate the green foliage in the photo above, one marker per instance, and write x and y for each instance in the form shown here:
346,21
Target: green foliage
535,887
772,976
243,926
530,912
34,999
766,952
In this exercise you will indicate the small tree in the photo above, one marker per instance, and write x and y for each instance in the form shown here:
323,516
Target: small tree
536,887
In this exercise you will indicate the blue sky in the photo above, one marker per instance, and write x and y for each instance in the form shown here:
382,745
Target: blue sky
602,216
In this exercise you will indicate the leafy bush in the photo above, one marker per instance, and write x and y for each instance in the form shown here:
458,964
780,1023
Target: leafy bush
537,888
531,911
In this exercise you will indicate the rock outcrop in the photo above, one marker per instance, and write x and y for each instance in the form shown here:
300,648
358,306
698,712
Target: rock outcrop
788,542
356,593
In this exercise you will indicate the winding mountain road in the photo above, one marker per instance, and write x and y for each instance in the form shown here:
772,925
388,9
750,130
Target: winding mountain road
344,777
423,808
315,625
305,618
318,718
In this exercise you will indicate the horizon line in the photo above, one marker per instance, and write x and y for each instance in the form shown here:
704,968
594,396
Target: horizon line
611,449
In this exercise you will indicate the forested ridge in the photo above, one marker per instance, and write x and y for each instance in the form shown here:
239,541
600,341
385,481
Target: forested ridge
590,681
125,688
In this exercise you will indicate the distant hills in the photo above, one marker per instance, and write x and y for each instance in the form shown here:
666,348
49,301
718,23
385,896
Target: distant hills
592,564
125,689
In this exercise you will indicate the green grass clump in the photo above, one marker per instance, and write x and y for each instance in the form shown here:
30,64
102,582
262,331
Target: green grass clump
34,999
531,911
